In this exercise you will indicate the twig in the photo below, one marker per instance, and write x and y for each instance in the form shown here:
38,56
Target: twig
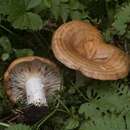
4,124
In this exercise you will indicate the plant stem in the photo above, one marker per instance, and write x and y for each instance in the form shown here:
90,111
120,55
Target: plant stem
4,124
82,95
61,110
42,122
63,105
6,29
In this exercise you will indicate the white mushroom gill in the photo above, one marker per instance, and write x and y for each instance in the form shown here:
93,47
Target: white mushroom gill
34,91
33,82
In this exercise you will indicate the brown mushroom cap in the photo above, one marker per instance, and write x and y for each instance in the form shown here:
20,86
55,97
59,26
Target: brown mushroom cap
22,69
80,46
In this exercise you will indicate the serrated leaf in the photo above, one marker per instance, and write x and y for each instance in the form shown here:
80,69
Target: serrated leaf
114,103
89,109
5,56
5,44
19,127
23,52
32,4
20,18
28,21
106,122
114,98
101,89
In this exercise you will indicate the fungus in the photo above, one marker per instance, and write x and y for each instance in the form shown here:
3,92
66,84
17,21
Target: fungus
80,46
31,80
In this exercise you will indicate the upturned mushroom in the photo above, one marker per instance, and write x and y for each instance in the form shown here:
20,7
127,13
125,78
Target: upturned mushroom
80,46
31,80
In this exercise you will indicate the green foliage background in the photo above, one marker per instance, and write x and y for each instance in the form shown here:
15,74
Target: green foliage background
26,28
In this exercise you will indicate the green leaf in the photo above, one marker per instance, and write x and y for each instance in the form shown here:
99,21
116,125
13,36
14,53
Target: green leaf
21,18
64,1
55,2
18,127
106,122
128,120
72,123
16,9
114,103
5,56
128,34
28,21
5,44
75,4
114,98
4,7
47,3
23,52
76,15
55,9
107,107
89,109
122,17
33,4
64,12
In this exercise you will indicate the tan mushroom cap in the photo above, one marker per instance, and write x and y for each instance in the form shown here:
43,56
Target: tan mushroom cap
80,46
27,67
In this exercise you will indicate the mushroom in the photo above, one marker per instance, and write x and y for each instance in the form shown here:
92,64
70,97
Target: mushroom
31,80
80,46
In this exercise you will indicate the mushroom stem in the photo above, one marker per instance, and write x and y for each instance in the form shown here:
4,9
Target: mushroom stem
35,91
